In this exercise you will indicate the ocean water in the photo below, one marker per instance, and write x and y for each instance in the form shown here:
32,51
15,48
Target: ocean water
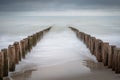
60,45
14,28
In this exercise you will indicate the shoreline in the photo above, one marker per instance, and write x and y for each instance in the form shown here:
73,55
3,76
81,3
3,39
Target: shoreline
97,72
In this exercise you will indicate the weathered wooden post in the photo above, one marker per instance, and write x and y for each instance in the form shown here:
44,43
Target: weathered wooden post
99,50
32,42
11,52
105,53
6,64
29,43
1,65
117,52
118,70
86,40
17,51
34,39
110,55
91,45
26,45
89,41
83,37
20,53
41,34
113,61
36,36
22,43
94,46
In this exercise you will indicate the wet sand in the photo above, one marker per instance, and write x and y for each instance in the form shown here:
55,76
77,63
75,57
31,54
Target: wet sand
69,71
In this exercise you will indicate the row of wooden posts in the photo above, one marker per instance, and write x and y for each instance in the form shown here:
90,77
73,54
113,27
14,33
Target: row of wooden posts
11,56
108,54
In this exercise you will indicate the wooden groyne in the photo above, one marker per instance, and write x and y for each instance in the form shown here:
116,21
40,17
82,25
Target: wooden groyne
11,56
108,54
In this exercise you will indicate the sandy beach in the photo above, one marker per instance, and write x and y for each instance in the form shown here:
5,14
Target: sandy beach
69,71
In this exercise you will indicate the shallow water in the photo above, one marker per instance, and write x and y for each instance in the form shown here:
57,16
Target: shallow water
57,48
61,56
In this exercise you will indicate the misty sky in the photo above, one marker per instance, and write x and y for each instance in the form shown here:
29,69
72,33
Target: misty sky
60,7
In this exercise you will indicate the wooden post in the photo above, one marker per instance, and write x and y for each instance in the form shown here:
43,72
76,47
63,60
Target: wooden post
35,39
37,36
22,43
85,40
26,45
118,70
91,44
99,50
105,53
110,56
11,51
117,52
1,65
30,43
41,34
16,44
78,35
89,41
114,58
6,64
83,37
20,53
94,46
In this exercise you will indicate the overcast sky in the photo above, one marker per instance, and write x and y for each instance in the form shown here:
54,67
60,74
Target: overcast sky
60,7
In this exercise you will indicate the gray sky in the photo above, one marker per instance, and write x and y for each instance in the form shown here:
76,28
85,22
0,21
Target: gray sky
60,6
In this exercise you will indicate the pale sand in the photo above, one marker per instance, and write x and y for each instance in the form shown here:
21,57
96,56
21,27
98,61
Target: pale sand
69,71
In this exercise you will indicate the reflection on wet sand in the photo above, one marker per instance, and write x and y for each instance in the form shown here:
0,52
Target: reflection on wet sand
69,71
24,76
20,75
